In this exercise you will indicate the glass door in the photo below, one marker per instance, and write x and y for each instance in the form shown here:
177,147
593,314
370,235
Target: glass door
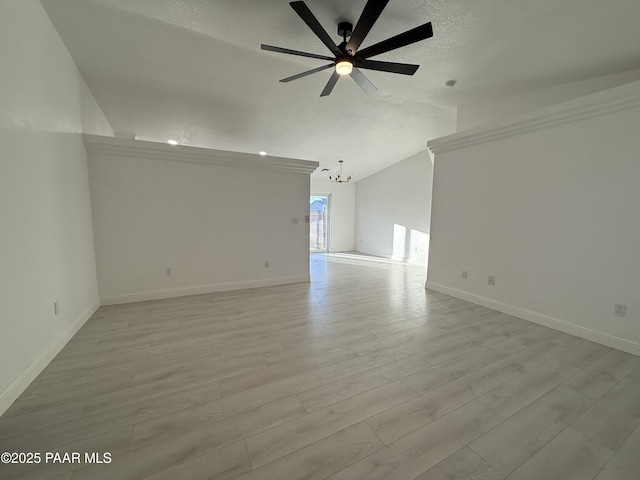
319,223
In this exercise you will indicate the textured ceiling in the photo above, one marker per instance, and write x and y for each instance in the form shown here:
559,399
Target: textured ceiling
193,69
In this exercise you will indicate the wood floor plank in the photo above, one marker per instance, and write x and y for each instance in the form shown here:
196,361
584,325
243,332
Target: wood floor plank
77,377
310,357
150,356
389,327
569,456
151,458
64,396
322,458
403,419
400,338
182,421
114,442
358,364
224,464
432,378
442,352
145,461
134,394
48,437
521,435
465,464
210,367
259,377
615,416
521,339
524,389
344,388
23,423
583,354
515,364
414,454
64,476
625,464
282,440
603,374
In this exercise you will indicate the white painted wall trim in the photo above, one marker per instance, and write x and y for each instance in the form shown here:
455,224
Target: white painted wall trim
608,101
126,147
20,383
539,318
202,289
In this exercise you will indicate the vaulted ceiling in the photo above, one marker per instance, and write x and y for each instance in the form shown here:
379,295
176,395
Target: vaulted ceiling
193,69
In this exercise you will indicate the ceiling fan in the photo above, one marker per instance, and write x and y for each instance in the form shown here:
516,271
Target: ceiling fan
348,60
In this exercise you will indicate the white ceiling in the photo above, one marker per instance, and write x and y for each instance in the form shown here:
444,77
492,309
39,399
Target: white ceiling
193,69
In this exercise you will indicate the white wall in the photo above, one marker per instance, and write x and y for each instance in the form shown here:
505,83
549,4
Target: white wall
491,110
549,205
342,212
46,234
188,209
392,211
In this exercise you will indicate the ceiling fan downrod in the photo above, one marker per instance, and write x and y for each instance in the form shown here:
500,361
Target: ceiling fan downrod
345,29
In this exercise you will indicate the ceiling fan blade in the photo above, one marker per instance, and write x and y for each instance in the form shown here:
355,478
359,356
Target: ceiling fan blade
303,11
308,72
363,82
370,14
411,36
391,67
271,48
330,84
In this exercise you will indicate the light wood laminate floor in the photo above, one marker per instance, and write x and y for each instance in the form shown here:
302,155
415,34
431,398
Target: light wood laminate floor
361,374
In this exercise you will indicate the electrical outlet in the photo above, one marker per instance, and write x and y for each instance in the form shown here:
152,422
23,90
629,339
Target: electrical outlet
491,280
56,307
464,274
619,310
266,264
167,271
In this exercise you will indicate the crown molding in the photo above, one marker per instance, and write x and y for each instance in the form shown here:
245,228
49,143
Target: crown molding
126,147
608,101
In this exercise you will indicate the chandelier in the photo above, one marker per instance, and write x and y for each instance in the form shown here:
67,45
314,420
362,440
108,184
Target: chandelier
340,178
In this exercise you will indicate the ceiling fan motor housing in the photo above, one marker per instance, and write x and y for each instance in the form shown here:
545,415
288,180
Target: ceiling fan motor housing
345,29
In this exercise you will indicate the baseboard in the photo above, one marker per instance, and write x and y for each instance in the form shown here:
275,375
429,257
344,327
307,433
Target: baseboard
20,383
541,319
374,253
199,290
395,258
387,255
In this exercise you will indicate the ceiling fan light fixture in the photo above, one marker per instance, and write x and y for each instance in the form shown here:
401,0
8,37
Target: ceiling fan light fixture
344,67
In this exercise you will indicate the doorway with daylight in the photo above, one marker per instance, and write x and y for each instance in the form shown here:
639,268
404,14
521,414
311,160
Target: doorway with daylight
319,223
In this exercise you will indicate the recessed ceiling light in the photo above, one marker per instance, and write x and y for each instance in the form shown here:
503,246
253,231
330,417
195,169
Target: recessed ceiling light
172,142
263,153
450,83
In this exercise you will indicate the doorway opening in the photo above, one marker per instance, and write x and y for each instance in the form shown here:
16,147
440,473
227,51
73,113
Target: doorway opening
319,223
